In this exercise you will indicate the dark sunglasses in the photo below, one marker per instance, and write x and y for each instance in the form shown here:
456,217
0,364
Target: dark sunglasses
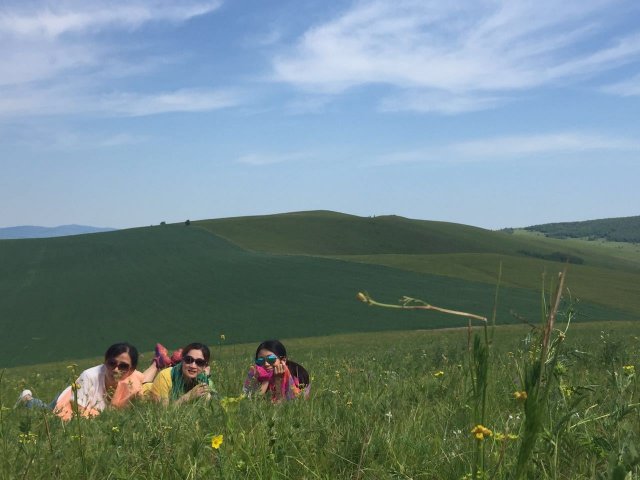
188,360
122,366
270,359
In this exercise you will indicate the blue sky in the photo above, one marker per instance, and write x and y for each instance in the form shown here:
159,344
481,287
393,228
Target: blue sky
488,113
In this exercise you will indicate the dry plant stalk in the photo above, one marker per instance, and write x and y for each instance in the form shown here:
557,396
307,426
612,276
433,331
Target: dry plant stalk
408,303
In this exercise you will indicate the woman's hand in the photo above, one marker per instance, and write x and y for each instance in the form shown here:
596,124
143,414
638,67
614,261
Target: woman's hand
278,369
196,392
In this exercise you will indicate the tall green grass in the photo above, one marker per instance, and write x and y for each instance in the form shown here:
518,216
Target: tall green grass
385,406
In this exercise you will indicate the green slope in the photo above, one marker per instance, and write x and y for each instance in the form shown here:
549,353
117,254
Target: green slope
68,297
605,273
608,287
330,233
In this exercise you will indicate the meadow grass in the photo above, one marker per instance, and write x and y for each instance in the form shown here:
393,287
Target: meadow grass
392,405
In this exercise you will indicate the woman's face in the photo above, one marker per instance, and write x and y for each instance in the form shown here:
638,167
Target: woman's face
193,363
264,353
118,367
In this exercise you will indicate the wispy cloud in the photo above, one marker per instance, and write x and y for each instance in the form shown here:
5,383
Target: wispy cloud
512,148
439,102
60,57
470,52
262,159
64,100
626,88
54,18
54,137
135,105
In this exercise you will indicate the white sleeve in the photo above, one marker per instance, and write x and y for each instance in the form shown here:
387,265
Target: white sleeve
87,389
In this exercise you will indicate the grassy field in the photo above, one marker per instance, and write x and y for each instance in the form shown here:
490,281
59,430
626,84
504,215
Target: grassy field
392,405
287,275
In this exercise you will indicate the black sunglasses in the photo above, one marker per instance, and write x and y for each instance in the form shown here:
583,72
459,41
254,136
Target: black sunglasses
270,359
122,366
188,360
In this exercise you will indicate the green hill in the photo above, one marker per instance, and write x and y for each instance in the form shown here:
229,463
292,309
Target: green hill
623,229
66,297
599,273
331,233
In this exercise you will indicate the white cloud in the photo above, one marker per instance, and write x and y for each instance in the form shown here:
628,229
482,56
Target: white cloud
261,159
59,57
512,147
471,52
626,88
67,100
48,137
52,19
135,105
438,101
523,145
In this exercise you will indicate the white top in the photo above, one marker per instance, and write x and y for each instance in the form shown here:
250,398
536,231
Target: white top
91,390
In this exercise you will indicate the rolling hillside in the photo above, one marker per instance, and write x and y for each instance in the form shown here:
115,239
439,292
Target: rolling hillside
605,274
283,276
331,233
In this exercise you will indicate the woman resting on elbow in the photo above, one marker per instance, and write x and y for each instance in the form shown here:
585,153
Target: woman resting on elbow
186,381
111,384
274,376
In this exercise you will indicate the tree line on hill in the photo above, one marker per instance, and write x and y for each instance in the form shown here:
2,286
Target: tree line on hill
624,229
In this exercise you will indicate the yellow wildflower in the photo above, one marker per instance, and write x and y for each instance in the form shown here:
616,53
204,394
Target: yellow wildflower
217,441
520,396
439,373
629,369
75,386
480,431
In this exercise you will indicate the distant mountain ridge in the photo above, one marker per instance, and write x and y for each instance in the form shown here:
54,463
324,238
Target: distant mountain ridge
30,231
621,229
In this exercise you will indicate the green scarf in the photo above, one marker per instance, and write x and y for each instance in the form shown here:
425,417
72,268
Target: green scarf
177,382
179,386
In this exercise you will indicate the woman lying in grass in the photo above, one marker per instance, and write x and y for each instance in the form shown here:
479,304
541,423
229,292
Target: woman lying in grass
274,376
187,380
111,384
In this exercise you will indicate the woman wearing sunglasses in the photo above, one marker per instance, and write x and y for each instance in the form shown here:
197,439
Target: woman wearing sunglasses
187,380
111,384
274,376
